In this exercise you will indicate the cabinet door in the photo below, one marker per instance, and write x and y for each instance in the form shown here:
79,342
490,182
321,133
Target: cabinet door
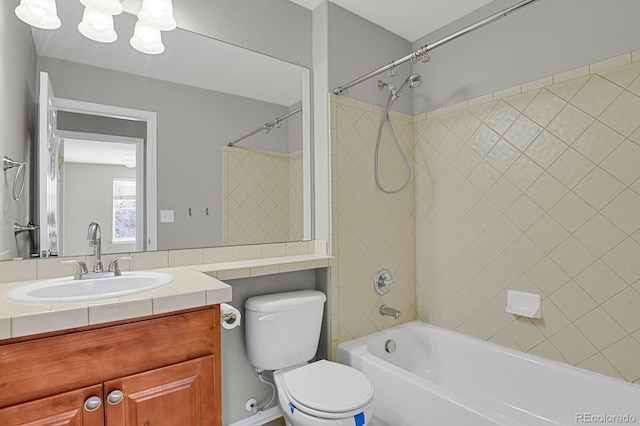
83,407
181,394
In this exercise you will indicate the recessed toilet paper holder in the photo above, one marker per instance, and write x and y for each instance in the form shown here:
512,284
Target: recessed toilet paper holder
229,318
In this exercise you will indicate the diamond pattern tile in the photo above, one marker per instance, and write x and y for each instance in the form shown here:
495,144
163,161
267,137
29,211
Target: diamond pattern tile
596,95
623,162
570,124
599,188
538,191
571,168
623,115
599,235
256,195
546,149
544,107
597,142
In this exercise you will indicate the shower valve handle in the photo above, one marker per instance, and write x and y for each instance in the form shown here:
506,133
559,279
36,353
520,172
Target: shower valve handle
383,282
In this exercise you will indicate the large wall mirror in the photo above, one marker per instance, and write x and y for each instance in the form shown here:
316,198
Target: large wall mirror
140,143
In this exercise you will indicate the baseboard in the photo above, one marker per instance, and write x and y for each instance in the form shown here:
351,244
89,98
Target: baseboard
261,418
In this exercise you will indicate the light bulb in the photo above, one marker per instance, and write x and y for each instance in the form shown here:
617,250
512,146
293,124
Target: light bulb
39,13
97,26
157,14
147,39
108,7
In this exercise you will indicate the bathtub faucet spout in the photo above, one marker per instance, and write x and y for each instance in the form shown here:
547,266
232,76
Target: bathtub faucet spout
386,310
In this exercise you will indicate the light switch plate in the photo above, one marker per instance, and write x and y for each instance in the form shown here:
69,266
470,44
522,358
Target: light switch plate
166,216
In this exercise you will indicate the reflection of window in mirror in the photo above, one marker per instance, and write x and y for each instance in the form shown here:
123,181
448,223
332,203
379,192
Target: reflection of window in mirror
124,211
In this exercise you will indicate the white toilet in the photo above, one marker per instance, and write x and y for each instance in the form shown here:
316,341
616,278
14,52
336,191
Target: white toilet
282,334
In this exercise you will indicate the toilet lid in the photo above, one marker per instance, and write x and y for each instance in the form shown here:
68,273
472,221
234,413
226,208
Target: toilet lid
328,387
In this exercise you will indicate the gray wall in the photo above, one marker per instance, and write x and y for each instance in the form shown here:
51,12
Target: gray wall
357,47
17,109
193,125
239,380
545,38
102,125
278,28
85,203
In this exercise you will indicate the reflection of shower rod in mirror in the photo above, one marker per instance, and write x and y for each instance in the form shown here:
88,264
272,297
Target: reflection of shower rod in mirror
8,163
267,127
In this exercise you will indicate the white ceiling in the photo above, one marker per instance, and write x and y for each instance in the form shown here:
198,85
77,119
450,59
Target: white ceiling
410,19
96,152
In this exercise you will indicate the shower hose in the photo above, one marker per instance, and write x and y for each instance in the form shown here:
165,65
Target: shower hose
385,118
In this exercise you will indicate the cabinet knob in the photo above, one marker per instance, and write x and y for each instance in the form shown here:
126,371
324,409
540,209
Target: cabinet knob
92,403
115,397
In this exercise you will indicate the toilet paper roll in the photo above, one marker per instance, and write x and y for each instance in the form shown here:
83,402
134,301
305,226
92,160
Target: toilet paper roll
230,316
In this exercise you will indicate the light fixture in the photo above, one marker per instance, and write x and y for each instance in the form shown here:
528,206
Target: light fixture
157,14
97,26
39,13
97,23
108,7
147,39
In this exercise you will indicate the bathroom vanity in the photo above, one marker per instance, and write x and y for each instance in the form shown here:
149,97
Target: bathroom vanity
161,369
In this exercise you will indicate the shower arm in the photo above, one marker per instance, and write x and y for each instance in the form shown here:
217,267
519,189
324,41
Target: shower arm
267,127
421,54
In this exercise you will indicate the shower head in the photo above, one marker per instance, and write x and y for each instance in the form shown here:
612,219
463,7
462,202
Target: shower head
413,81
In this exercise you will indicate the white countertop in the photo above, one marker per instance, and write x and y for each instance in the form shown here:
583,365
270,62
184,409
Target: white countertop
193,286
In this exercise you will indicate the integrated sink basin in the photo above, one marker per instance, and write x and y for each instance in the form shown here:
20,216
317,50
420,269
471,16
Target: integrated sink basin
68,290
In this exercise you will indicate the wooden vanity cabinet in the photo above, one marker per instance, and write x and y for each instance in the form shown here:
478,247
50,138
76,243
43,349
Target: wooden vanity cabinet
155,371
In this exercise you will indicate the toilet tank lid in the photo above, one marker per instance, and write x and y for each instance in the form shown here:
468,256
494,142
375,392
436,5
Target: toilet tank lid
289,301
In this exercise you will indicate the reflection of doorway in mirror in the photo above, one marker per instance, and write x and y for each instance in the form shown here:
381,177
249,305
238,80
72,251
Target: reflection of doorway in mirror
262,196
99,123
100,185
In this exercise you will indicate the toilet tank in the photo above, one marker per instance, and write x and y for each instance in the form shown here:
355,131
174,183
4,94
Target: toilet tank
283,329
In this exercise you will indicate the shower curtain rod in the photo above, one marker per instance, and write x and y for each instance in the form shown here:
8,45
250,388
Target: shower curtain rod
421,54
267,127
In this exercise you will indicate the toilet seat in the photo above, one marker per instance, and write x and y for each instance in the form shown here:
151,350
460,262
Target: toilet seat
327,390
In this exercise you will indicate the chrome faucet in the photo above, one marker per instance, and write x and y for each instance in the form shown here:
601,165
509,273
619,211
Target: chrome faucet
386,310
94,235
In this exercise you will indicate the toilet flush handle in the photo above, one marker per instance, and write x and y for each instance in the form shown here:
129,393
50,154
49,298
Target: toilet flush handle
268,317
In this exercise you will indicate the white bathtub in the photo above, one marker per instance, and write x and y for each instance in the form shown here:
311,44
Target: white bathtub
439,377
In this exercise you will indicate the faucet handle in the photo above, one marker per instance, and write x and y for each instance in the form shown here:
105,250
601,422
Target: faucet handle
383,282
82,267
114,265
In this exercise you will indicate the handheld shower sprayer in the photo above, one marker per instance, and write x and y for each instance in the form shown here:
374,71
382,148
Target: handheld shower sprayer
413,81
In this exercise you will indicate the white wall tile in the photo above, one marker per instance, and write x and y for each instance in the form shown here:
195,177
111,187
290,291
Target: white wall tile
571,167
546,149
599,188
600,282
623,162
596,95
623,115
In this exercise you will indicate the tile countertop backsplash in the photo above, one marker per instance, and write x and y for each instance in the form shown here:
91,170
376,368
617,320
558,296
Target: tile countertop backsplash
197,282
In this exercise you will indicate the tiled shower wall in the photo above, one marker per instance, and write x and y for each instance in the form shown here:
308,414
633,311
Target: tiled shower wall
260,203
536,188
371,230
